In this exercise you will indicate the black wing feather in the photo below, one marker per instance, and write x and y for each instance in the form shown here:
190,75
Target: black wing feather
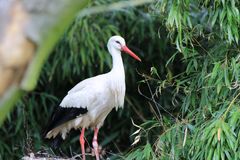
62,115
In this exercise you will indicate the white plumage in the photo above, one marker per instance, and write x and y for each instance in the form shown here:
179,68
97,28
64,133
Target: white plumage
99,95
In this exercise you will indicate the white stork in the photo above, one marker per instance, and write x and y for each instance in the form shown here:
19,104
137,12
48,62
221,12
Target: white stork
90,101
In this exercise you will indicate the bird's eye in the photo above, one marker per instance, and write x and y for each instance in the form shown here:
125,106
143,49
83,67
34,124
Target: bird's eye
118,42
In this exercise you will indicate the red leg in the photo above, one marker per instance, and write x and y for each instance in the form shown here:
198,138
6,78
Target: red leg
95,143
82,142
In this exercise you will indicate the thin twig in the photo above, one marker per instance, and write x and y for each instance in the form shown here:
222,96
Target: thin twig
230,105
156,103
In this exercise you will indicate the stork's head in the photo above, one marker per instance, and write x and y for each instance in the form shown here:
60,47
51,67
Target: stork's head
118,43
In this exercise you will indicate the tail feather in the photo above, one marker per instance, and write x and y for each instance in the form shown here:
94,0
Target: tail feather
58,123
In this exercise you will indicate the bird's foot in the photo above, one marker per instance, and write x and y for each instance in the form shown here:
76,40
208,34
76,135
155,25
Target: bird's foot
101,152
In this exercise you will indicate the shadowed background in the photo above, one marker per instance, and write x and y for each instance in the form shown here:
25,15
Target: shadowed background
184,93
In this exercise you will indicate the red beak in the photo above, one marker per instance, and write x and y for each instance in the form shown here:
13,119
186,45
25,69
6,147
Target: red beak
128,51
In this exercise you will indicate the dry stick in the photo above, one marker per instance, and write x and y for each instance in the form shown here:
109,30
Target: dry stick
202,47
185,136
156,103
230,105
28,142
135,109
159,105
111,153
150,99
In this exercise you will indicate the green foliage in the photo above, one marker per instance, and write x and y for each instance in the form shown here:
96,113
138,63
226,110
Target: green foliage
204,89
187,98
145,152
80,54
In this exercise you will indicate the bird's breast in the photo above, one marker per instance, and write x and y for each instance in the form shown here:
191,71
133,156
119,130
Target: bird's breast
118,91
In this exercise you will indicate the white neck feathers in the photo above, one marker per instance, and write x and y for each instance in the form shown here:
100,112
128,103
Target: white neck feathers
117,77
